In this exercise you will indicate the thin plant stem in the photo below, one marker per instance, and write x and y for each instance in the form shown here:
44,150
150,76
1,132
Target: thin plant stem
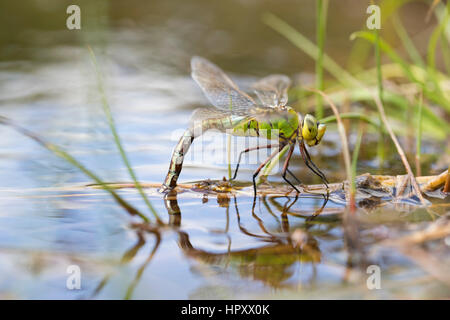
400,151
321,20
406,41
354,116
419,136
229,144
342,134
431,9
380,148
354,167
64,155
433,92
306,45
117,140
229,156
445,53
431,52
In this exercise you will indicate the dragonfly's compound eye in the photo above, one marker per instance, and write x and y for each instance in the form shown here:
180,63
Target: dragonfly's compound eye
309,128
321,128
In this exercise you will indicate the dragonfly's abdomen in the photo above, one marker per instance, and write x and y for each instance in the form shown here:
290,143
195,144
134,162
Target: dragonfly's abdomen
183,145
176,163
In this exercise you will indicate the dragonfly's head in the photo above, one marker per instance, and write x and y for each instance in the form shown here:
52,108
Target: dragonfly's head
312,130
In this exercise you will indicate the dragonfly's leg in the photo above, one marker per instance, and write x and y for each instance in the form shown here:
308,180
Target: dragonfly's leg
315,167
307,160
318,173
248,150
284,215
285,166
293,176
319,211
255,174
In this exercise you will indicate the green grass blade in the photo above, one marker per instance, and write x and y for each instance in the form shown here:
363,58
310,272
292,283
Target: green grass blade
355,160
432,44
307,46
67,157
117,141
378,64
353,116
386,48
434,94
380,147
419,136
436,126
440,14
406,41
361,50
446,53
229,156
229,143
321,20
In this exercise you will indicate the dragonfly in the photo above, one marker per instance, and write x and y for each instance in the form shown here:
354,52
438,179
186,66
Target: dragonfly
238,113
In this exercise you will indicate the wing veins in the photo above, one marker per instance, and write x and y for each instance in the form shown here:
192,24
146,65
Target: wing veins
220,90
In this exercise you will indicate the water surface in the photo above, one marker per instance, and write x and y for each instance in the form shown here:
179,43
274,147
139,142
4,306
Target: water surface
212,249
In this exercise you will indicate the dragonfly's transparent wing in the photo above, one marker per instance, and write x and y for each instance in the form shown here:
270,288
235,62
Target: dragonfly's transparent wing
217,119
221,120
202,114
260,113
219,88
272,90
265,114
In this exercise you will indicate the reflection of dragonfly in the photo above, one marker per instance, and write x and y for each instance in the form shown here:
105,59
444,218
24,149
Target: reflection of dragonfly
270,262
238,112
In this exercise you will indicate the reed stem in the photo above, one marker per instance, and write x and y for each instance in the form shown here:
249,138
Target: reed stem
380,148
321,21
64,155
419,136
117,140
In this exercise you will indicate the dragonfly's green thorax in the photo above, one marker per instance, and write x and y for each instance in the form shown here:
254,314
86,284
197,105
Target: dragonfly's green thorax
279,124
